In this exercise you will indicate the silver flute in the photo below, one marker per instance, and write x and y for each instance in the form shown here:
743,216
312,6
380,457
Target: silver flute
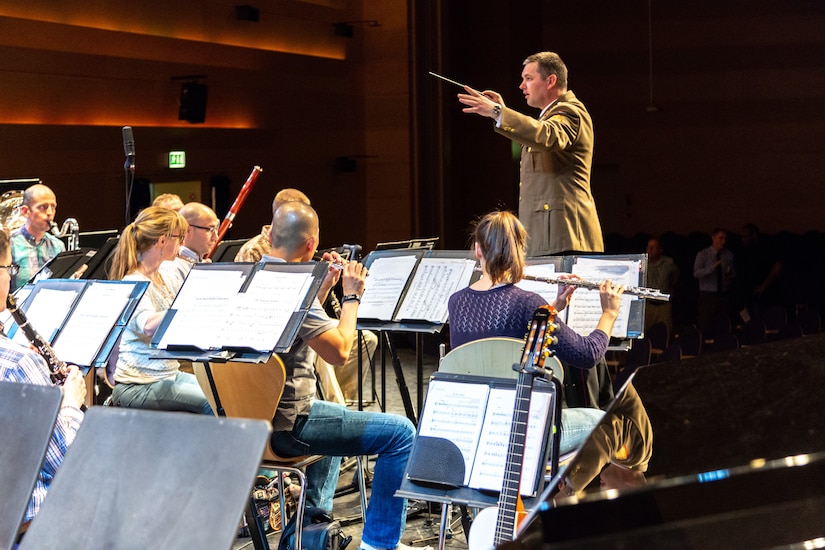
641,292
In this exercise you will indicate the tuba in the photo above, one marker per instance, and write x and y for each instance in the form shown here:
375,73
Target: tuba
11,217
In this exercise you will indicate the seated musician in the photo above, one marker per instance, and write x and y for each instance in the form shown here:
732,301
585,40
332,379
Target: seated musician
341,380
494,306
140,381
304,424
33,245
168,200
201,236
22,364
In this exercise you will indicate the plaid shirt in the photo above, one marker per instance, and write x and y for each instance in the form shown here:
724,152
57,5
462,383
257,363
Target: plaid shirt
31,255
256,247
23,365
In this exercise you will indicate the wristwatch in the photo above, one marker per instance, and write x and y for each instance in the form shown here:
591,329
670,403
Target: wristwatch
496,110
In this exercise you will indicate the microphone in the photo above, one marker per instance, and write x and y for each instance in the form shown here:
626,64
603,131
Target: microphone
129,149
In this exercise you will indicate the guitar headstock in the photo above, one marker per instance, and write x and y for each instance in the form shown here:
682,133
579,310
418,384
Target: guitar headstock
540,341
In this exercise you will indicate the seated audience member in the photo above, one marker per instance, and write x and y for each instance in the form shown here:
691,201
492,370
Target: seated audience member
32,244
305,425
23,365
168,200
200,237
140,381
495,306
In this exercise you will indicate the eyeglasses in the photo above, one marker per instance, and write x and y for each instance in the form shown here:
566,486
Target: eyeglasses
178,237
14,269
212,229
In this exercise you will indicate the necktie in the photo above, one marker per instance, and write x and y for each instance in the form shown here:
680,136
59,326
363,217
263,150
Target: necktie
719,272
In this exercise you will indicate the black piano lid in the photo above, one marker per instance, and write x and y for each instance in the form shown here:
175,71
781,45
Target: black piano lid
737,445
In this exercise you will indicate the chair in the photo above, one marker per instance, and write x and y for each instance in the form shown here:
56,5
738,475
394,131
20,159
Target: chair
673,352
753,333
659,336
724,342
26,424
253,390
639,353
790,330
810,320
775,318
492,357
690,341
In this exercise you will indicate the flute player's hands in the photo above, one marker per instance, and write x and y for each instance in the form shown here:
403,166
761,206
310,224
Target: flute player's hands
481,103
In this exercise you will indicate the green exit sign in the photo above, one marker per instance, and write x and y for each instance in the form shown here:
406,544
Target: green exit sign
177,159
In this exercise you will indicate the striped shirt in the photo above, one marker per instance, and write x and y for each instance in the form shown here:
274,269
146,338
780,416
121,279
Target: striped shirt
22,365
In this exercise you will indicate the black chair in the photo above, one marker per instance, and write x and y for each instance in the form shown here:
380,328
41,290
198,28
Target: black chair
673,352
723,343
775,318
659,336
27,419
690,341
149,479
790,330
639,354
809,320
753,333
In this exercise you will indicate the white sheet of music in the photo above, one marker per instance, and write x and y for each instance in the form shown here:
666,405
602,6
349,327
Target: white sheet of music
455,411
202,306
47,312
90,323
5,315
261,313
585,308
384,285
546,290
434,281
491,457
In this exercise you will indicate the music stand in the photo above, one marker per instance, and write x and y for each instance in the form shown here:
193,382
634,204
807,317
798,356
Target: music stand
166,482
98,265
26,425
64,265
226,250
96,239
425,244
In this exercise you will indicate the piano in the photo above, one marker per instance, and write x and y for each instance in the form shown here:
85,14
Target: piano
732,456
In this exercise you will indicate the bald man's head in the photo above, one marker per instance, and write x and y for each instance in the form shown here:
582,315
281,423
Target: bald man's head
295,230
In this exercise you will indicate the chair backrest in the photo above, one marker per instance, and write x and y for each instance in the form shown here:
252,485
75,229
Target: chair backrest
690,341
673,352
26,424
492,357
659,336
639,353
810,320
245,390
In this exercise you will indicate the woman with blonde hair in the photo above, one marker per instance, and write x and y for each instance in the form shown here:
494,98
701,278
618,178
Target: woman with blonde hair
140,381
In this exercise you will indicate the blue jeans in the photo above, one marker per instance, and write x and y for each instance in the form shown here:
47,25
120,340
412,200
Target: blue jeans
576,425
333,430
181,394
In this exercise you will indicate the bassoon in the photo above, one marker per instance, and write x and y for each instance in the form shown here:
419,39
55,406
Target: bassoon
233,210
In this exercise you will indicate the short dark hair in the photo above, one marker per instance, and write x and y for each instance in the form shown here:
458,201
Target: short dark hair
550,63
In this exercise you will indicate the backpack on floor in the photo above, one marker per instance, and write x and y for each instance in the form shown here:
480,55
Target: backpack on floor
320,532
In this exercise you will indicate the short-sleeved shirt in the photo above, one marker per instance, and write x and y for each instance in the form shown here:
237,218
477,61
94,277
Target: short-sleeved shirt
31,255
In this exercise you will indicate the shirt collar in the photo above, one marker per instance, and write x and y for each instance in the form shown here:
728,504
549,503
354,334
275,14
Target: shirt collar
189,254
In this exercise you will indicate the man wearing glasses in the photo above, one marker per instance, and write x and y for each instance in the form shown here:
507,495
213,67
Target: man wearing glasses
199,239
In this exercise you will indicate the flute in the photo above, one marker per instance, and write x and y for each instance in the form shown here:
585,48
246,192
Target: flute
641,292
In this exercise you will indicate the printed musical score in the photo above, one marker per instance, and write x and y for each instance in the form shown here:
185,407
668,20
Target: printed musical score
477,418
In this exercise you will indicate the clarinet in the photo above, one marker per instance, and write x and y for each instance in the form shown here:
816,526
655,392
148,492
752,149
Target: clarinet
57,368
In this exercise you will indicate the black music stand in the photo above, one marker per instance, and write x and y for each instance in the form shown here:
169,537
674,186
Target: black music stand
64,265
148,479
226,250
26,425
98,265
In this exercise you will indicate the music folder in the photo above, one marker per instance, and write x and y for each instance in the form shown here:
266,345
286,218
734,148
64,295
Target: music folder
413,285
81,319
238,311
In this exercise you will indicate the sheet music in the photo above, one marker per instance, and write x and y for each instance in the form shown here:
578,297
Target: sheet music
5,315
435,280
89,325
491,457
384,285
455,411
47,312
202,307
585,308
546,290
260,315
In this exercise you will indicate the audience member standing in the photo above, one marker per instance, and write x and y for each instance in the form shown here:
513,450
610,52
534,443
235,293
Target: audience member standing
715,272
662,274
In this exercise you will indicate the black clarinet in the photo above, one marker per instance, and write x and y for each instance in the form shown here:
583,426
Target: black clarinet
57,368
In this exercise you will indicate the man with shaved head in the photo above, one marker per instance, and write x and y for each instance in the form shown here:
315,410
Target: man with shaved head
32,245
306,425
